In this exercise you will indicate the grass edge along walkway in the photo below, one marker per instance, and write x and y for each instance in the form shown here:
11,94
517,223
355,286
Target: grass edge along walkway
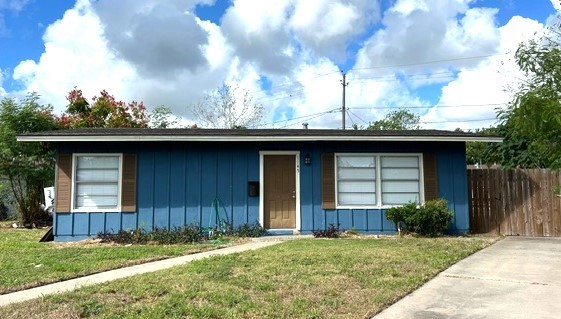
71,284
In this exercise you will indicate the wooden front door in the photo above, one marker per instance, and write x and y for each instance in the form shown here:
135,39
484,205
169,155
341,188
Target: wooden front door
280,191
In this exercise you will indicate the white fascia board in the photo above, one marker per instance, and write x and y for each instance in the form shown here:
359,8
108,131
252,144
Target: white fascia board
226,138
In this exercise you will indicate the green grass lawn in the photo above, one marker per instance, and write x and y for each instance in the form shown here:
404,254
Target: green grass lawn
308,278
24,262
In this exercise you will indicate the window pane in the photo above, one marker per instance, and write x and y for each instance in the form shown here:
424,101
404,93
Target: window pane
96,202
357,173
400,186
94,175
85,189
356,186
97,182
356,161
399,161
400,173
399,198
97,162
357,199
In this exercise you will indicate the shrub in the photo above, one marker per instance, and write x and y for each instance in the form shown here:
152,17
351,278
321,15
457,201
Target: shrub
135,236
249,230
179,235
399,214
430,220
331,232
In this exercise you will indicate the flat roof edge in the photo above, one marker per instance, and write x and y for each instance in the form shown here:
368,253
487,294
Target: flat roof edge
176,138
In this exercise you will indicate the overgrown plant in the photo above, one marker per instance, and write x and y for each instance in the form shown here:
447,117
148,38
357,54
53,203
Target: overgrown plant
399,214
430,219
27,167
179,235
249,230
332,231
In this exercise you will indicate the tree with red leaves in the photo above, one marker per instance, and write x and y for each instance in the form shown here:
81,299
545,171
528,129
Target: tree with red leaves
104,111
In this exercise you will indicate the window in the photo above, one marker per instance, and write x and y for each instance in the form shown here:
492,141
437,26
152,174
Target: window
372,180
97,180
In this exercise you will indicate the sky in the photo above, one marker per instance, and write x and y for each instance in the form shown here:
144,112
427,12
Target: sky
450,61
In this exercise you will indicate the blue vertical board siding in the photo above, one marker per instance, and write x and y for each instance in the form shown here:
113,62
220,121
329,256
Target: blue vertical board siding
253,175
306,194
452,186
128,220
176,185
193,188
359,219
345,218
224,185
239,188
161,189
208,187
81,223
145,187
97,223
387,225
64,222
112,222
177,189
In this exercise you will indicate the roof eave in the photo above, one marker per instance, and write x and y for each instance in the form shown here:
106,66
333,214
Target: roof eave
226,138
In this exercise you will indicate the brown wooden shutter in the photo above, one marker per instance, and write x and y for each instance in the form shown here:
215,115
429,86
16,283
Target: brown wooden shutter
430,176
63,183
328,181
128,191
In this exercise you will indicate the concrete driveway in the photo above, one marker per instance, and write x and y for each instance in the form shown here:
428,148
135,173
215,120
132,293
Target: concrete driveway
517,277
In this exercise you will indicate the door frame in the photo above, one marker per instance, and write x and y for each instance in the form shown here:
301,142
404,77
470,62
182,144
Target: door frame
262,183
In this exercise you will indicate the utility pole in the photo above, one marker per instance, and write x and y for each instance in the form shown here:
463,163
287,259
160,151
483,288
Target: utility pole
344,108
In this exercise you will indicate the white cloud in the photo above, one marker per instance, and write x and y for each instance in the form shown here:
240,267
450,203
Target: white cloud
2,91
489,83
556,4
161,53
78,54
75,55
419,30
13,7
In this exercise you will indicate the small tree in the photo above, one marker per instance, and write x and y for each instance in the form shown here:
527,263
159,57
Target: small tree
400,119
28,167
162,117
228,107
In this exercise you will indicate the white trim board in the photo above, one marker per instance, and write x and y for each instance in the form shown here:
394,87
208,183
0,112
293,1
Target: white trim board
230,138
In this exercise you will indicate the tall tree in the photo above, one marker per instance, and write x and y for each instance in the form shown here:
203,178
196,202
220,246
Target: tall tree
28,167
532,123
401,119
228,107
104,111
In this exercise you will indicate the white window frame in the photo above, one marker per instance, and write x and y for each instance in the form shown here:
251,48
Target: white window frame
73,186
378,161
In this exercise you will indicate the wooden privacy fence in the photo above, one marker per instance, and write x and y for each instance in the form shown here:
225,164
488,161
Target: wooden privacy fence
515,201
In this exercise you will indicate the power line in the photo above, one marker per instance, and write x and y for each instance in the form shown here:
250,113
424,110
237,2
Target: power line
299,117
459,121
428,62
422,107
311,118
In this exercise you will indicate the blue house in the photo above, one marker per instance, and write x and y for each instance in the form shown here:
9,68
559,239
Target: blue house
290,181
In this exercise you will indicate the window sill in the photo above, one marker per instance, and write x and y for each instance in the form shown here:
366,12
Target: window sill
96,210
370,207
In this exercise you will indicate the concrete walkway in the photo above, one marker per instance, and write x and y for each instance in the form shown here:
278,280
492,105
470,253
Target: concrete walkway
517,277
110,275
